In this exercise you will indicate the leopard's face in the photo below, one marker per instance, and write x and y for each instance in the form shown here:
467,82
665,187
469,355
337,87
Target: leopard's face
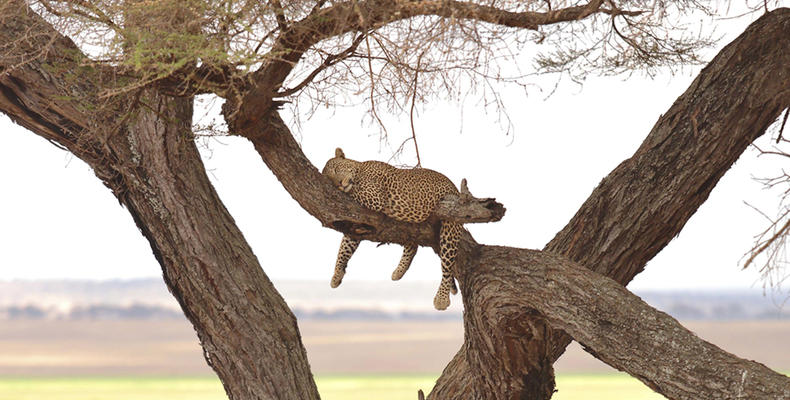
341,172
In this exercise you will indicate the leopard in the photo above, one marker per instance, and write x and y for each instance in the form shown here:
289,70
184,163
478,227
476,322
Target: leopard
404,194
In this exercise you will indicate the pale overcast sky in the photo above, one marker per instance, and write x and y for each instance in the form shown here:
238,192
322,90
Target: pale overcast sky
58,221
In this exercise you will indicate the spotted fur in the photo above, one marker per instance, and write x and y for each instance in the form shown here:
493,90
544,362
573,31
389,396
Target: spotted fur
408,195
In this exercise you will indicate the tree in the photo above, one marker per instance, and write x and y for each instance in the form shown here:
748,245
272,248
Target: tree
122,102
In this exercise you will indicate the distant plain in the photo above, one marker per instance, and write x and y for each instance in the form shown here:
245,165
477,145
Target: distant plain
331,387
352,360
336,347
128,340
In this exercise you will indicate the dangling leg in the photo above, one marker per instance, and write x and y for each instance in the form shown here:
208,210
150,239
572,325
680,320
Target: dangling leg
405,261
449,236
347,248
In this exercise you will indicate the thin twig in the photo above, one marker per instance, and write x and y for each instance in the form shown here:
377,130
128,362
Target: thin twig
329,61
776,236
372,90
782,128
411,112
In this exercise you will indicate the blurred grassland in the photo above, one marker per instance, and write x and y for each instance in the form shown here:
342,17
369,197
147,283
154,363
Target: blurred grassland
331,387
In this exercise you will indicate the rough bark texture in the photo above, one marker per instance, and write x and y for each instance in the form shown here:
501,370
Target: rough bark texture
464,208
614,325
183,217
248,334
518,303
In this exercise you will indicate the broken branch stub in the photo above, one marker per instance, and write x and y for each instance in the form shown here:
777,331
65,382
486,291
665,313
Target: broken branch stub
464,208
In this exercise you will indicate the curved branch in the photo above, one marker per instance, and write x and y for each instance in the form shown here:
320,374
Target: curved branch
614,325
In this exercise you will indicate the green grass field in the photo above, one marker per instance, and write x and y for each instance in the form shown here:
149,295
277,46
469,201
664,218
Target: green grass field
378,387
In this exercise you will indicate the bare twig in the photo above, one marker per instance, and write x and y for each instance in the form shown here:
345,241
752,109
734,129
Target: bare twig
317,6
782,127
411,112
329,61
777,236
372,87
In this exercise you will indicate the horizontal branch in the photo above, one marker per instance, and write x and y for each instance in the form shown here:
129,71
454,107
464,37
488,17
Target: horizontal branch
614,325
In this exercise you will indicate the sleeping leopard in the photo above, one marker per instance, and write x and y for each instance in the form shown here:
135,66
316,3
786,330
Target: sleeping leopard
408,195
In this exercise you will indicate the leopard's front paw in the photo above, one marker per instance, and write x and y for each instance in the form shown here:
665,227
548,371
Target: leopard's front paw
441,301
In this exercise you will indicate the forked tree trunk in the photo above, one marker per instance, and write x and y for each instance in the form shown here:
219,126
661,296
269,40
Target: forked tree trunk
250,337
147,155
244,326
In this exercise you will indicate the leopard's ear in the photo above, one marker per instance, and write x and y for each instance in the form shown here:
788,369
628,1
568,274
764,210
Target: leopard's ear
339,153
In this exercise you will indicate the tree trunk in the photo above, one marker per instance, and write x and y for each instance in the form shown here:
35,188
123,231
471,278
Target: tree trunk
249,335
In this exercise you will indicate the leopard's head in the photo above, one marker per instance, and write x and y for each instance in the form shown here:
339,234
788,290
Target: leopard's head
340,171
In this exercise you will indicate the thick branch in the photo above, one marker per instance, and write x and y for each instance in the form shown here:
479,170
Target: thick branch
651,195
615,326
44,88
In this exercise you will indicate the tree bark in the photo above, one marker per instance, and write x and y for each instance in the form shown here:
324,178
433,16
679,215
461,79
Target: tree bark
613,324
249,335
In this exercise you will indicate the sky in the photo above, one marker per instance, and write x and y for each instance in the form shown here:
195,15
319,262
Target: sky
57,221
